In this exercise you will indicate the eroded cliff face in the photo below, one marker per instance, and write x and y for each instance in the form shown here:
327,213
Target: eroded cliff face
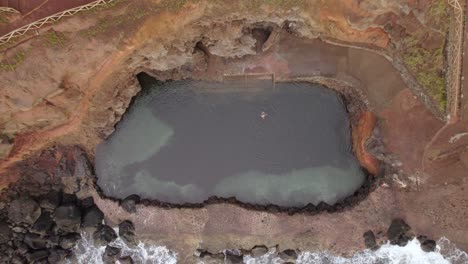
53,82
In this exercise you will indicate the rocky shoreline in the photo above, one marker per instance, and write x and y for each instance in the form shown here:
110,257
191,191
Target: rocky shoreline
43,214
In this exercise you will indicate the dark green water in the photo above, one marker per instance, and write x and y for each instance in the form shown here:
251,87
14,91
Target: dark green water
185,141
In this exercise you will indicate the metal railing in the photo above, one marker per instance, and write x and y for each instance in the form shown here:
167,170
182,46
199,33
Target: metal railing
50,19
8,9
455,57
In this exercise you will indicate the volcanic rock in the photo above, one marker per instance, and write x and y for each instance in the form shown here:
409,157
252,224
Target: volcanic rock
69,241
43,224
127,231
369,240
126,260
104,235
68,218
50,200
129,203
24,210
36,255
5,232
35,241
111,255
93,217
399,232
58,255
427,245
258,251
288,255
87,202
233,258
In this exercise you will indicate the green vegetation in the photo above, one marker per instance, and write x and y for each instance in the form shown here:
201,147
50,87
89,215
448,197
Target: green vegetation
12,64
427,65
3,18
53,39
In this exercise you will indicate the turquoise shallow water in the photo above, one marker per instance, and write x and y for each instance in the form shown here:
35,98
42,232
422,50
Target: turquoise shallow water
181,142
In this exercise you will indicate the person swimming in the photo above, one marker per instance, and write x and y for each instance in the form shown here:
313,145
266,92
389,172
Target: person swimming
263,115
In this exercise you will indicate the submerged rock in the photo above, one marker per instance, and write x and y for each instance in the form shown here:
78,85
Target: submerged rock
399,232
58,255
37,255
104,235
129,203
127,231
24,210
126,260
369,240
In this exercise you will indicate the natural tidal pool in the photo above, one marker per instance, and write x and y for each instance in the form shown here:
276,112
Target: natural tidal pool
287,144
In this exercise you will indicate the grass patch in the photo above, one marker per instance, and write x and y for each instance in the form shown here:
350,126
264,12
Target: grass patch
427,66
53,39
4,18
14,62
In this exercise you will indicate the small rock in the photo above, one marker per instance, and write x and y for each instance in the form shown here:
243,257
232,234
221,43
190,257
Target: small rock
68,218
69,241
43,224
93,217
369,240
35,241
427,245
58,255
87,202
129,203
69,199
37,255
127,231
50,200
288,255
126,260
398,232
258,251
233,258
104,235
111,255
24,210
5,232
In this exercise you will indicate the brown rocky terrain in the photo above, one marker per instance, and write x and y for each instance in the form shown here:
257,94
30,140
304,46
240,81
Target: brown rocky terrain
70,84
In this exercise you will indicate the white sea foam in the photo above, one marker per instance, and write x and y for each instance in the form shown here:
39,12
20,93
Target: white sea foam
446,253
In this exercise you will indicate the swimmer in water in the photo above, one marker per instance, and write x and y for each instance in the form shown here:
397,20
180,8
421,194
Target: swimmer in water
263,115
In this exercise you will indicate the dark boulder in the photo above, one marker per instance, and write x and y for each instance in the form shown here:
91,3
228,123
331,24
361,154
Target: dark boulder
58,255
258,251
50,200
427,245
35,241
126,260
43,224
111,255
288,255
233,258
399,232
129,203
68,218
5,232
127,231
369,240
104,235
87,202
69,240
69,199
24,210
92,217
36,255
